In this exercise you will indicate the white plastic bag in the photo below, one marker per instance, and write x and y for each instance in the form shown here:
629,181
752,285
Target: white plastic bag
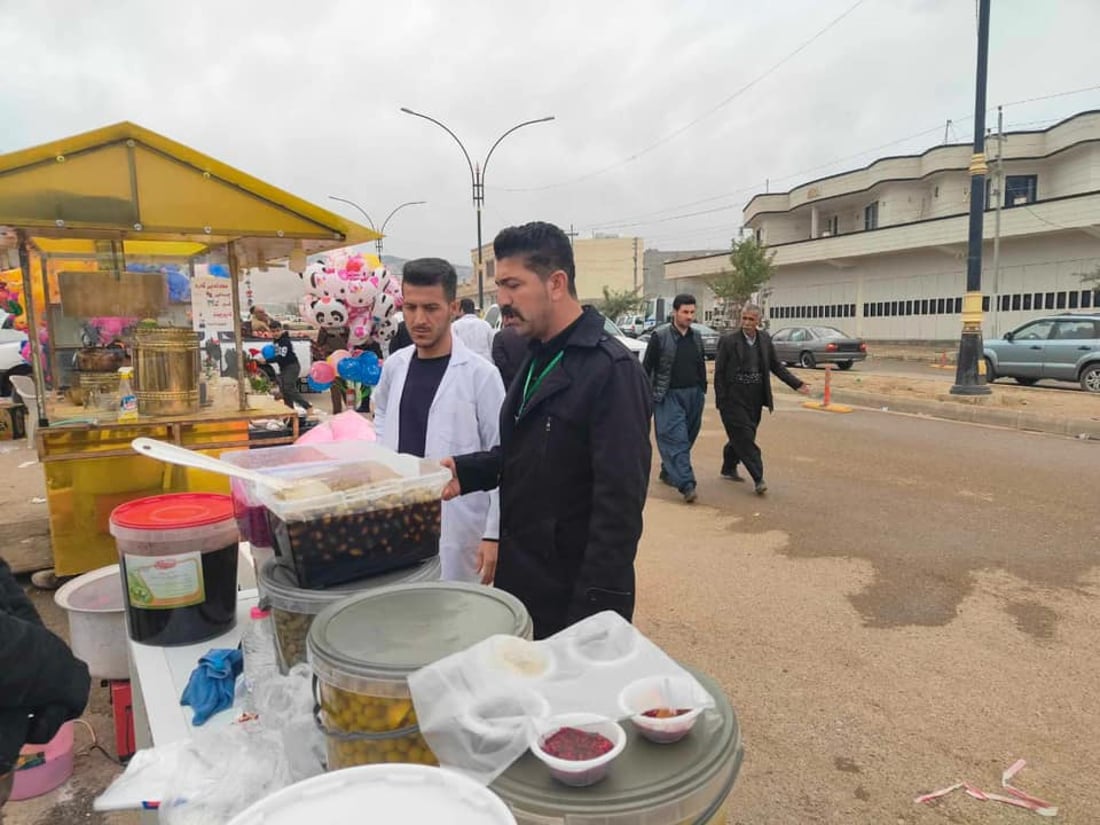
477,709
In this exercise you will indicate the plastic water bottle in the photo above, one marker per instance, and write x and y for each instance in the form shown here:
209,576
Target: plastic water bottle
258,648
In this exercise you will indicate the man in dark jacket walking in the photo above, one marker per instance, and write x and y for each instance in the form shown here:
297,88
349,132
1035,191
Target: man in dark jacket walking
677,368
42,685
742,387
573,462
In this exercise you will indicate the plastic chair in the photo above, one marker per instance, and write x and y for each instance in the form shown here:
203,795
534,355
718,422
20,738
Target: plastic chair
24,385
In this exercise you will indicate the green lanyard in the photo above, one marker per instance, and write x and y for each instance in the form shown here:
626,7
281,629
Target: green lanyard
528,389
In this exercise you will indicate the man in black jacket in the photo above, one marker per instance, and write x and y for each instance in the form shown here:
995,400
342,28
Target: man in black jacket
573,462
42,685
676,365
742,387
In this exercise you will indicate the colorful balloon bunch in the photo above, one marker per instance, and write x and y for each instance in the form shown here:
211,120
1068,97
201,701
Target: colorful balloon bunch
364,368
346,292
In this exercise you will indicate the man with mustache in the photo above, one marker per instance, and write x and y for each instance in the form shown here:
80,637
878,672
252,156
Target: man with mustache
509,347
437,398
574,456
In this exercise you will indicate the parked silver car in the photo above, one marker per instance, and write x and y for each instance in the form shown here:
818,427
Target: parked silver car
810,346
1059,347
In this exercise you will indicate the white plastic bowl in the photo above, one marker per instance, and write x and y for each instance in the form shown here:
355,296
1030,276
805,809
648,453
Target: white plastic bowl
579,773
664,692
96,608
501,718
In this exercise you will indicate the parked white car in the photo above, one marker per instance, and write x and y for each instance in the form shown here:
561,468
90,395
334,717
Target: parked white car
492,316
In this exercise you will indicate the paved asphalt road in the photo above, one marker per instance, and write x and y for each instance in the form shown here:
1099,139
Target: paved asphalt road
910,605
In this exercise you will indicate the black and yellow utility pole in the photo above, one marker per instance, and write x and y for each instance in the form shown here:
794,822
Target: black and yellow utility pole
970,372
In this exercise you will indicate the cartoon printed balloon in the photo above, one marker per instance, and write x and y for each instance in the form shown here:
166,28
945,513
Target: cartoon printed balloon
360,331
333,286
385,305
384,330
329,312
360,294
314,279
381,278
354,266
322,372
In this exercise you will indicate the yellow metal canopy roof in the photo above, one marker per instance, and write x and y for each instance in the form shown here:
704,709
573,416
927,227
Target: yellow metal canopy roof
124,181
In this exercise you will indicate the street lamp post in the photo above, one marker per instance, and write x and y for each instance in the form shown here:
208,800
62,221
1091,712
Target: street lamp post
381,230
970,370
477,183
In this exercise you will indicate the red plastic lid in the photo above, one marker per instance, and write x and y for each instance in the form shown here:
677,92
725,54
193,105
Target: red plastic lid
173,511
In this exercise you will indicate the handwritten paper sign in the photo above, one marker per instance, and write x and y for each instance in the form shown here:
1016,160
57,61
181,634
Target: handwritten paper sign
212,303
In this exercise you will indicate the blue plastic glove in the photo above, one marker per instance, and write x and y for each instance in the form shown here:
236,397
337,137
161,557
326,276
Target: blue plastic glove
212,684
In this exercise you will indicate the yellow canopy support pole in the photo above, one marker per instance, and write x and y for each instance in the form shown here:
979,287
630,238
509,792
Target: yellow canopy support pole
32,326
242,391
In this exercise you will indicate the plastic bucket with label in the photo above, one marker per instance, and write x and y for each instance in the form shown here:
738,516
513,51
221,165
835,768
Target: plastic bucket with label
178,560
362,650
410,794
687,782
293,608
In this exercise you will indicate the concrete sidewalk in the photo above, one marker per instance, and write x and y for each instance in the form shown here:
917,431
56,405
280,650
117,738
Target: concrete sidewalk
974,413
24,517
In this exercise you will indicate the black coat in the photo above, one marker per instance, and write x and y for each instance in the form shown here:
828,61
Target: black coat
573,471
733,350
42,684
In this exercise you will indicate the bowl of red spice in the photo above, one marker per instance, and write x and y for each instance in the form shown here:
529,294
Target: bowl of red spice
578,748
664,708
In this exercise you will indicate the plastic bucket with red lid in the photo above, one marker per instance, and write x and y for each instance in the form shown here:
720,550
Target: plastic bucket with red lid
178,560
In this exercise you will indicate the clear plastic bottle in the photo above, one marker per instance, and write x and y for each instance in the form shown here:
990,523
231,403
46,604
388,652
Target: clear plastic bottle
258,649
127,401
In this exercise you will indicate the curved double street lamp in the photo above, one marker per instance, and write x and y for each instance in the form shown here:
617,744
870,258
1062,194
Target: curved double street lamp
381,230
477,182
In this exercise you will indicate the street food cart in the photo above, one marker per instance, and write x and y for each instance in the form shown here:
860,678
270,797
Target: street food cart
117,225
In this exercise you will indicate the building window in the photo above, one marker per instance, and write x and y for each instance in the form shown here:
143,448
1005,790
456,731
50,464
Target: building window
1021,189
1050,300
985,304
1005,299
1086,299
866,310
1027,301
1038,300
1073,300
1016,302
878,309
1060,301
870,216
759,237
832,225
941,306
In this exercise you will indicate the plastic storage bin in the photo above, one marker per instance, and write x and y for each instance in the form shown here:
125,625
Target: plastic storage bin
684,783
293,608
383,513
178,558
362,650
409,794
49,765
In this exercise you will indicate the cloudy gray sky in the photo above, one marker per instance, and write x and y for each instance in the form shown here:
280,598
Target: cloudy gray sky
654,120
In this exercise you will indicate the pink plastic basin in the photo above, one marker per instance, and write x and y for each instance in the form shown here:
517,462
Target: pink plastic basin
57,768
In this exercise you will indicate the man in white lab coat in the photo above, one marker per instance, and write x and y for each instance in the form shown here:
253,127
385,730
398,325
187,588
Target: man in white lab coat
438,399
475,333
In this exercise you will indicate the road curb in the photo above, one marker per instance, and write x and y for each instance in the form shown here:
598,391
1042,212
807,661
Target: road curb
975,414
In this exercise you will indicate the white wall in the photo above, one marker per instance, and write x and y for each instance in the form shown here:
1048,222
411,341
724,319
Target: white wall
1048,264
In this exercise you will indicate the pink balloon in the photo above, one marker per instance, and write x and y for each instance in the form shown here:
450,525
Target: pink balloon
322,372
336,358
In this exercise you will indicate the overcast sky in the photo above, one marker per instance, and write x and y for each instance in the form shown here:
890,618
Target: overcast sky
307,97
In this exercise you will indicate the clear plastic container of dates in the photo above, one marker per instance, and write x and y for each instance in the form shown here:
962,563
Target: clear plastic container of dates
293,608
362,650
357,519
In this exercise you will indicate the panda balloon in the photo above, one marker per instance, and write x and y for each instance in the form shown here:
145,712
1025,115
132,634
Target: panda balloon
329,312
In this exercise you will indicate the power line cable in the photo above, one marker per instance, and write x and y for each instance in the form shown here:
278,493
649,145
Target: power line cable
696,121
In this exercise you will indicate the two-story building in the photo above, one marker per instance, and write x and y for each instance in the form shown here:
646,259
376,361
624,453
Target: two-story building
881,251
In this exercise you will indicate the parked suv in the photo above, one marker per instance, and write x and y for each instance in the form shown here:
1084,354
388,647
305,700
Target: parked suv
1058,347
